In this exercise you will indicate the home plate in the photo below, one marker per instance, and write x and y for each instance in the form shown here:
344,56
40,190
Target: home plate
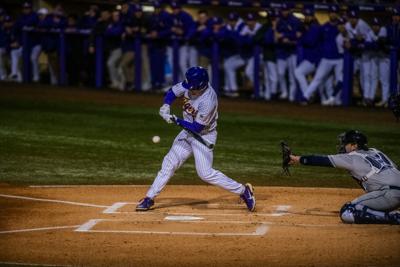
182,218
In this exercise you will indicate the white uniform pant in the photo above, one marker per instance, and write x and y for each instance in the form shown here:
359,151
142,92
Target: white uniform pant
325,67
188,57
182,148
249,70
306,68
270,79
231,64
366,76
16,55
35,53
289,65
3,73
112,65
380,67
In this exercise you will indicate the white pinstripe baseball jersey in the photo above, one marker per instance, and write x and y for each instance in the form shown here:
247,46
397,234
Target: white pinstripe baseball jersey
203,109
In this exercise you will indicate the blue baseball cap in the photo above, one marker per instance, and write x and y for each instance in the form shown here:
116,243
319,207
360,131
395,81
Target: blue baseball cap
250,16
341,21
353,14
376,21
175,5
272,13
216,20
396,11
233,16
285,7
156,4
334,8
27,5
309,11
136,8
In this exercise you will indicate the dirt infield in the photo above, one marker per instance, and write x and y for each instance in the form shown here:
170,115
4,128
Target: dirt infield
191,225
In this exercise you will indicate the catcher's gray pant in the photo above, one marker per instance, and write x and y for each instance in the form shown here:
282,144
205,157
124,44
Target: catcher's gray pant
35,54
380,200
380,67
325,66
288,64
182,148
373,207
3,73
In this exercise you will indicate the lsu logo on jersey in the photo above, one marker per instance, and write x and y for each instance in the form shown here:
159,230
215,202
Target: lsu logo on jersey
188,108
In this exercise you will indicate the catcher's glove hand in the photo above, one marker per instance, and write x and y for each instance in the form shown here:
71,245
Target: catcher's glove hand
286,152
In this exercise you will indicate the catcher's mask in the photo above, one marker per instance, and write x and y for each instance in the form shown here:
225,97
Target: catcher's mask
394,105
351,137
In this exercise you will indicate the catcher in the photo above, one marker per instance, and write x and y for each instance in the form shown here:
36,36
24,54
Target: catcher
372,169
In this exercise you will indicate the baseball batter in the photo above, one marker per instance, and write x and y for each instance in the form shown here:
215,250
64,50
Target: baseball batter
200,114
373,170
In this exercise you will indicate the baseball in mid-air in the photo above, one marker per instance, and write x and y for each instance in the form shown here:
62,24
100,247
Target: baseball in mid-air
156,139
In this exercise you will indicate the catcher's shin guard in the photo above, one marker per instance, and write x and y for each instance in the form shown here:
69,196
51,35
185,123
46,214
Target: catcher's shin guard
359,214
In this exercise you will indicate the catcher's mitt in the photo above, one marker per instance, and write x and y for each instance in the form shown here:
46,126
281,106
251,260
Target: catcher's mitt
286,152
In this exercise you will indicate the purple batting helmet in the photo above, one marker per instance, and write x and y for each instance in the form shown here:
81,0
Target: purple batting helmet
196,78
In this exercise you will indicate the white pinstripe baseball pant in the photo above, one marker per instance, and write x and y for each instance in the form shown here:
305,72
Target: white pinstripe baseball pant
182,148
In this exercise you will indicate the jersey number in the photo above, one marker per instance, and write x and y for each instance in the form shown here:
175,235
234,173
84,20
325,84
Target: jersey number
379,161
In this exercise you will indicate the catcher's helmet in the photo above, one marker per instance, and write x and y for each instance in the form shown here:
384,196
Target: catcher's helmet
352,137
196,78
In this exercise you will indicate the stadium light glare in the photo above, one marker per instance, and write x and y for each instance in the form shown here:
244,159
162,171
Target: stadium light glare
299,15
148,8
263,14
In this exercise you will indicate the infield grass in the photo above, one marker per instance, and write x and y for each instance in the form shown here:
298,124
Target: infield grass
54,141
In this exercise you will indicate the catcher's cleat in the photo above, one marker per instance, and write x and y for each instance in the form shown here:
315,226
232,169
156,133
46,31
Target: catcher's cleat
394,217
145,204
248,197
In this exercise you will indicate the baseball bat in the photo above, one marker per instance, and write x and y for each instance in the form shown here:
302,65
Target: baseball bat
197,137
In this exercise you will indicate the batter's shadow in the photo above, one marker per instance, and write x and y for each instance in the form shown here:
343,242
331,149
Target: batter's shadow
196,203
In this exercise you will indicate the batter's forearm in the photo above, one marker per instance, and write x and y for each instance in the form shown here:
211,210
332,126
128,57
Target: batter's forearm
192,126
169,97
314,160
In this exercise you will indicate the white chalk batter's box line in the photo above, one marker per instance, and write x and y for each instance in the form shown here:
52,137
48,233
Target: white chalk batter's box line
113,209
280,210
260,230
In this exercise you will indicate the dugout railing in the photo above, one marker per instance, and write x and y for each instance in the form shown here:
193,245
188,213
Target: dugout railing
215,64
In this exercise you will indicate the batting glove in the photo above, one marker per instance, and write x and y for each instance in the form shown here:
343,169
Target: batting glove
174,119
165,110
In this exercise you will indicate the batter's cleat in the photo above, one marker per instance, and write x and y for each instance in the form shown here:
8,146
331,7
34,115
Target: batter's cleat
248,197
145,204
